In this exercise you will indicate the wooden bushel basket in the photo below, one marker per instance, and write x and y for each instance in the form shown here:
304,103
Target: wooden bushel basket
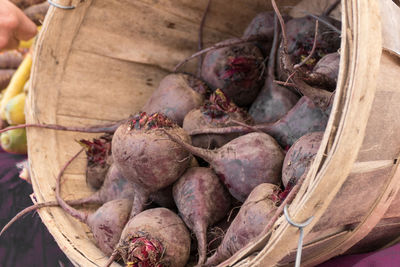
99,63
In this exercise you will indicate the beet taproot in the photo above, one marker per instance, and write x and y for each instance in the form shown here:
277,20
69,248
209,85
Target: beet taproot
273,101
202,200
253,217
147,157
243,163
217,112
300,157
155,237
176,95
236,70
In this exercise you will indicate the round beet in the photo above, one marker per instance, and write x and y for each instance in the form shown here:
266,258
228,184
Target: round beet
176,95
251,220
243,163
236,70
300,157
215,113
202,201
155,237
146,157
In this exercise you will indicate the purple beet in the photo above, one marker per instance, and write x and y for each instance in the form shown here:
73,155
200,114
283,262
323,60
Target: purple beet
155,237
215,113
202,201
325,72
236,70
146,157
303,118
261,24
243,163
176,95
273,101
106,223
251,220
99,159
300,34
300,157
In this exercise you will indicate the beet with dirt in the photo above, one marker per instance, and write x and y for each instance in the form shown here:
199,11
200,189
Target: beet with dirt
236,70
155,237
217,112
176,95
243,163
253,217
300,157
202,200
146,157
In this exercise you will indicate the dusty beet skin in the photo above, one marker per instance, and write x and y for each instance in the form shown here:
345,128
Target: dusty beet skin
273,101
236,70
146,157
244,162
99,159
251,220
217,112
300,157
176,95
155,237
261,25
202,201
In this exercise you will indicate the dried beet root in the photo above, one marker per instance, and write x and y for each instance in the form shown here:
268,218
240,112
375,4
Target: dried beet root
176,95
243,163
155,237
215,113
253,217
146,157
236,70
99,159
202,201
303,118
300,157
273,101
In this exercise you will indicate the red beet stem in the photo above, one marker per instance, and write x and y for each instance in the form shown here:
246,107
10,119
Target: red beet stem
108,128
200,229
266,128
93,199
207,155
82,216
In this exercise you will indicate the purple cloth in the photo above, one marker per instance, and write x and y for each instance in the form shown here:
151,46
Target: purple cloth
27,242
389,257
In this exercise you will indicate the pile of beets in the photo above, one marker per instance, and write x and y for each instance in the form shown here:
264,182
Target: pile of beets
240,133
